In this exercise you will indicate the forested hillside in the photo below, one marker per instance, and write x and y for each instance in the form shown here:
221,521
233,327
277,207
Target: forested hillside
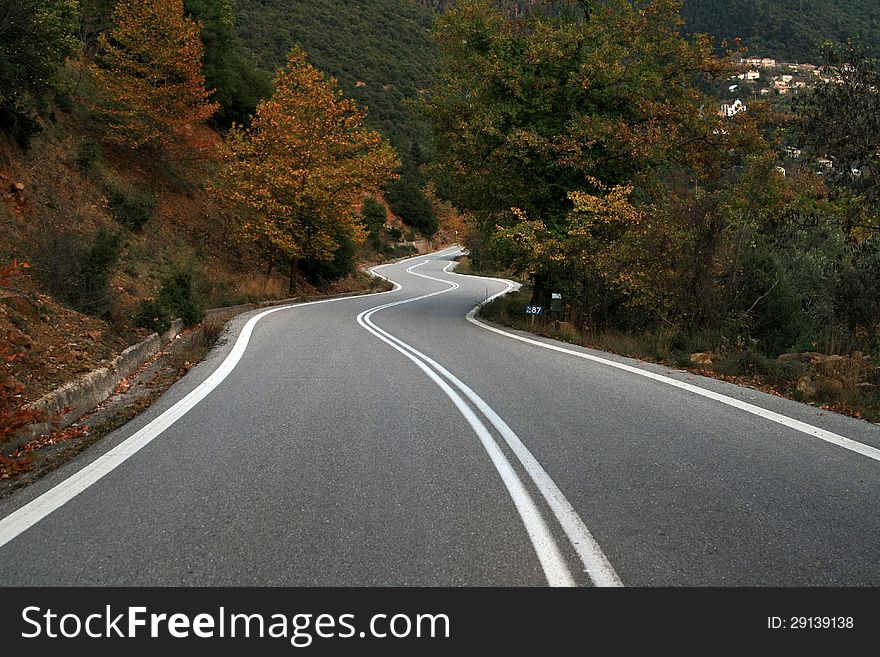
787,29
379,50
149,169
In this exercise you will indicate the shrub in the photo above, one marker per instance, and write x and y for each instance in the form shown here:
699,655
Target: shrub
87,153
152,315
747,362
88,292
857,301
131,207
342,264
177,299
775,306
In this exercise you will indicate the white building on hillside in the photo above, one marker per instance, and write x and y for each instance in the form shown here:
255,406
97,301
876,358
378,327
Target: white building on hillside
732,109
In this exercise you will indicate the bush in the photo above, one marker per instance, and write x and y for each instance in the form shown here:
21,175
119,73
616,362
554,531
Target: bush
131,207
88,291
747,362
177,299
342,264
87,154
857,301
775,304
152,315
413,207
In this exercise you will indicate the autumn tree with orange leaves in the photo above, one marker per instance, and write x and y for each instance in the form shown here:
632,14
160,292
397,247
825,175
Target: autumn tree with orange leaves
297,173
149,72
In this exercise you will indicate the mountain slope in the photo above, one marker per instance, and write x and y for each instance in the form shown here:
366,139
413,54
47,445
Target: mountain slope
379,50
787,29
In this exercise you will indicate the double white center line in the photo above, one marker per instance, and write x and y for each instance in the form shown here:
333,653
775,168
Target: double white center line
556,570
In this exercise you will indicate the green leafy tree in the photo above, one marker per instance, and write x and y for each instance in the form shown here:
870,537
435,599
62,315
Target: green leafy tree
840,119
36,37
578,138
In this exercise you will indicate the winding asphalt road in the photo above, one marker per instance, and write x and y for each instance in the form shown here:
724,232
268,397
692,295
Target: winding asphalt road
391,439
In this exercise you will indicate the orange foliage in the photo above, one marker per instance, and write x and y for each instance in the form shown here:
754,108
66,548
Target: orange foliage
149,72
303,165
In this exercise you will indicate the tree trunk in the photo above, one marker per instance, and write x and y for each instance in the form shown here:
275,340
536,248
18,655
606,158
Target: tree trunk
541,292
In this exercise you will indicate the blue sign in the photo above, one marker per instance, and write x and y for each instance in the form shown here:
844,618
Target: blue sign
534,310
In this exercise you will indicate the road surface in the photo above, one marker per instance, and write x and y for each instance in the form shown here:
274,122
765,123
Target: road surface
393,440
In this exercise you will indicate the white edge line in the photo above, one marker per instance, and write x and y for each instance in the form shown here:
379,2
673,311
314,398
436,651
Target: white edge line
797,425
34,511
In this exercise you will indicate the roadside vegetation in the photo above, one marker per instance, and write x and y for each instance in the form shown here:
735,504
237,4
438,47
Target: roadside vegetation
147,160
162,157
578,143
841,383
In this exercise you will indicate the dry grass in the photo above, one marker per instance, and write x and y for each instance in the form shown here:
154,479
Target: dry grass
257,287
199,342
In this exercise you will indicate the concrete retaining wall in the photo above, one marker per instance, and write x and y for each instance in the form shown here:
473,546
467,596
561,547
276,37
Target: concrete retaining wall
85,393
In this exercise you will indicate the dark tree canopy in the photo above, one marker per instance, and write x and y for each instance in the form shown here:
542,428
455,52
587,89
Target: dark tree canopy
36,37
841,120
239,86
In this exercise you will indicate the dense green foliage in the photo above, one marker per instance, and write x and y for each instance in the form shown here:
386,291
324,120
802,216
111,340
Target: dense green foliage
842,121
87,291
374,215
153,316
786,29
176,300
318,272
35,39
581,147
237,82
380,51
407,201
176,297
238,85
